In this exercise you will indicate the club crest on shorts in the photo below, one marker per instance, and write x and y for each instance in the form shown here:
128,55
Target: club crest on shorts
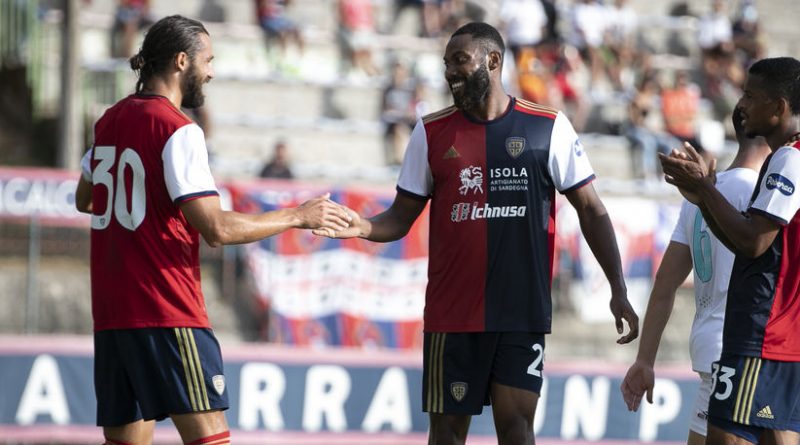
515,146
219,383
458,390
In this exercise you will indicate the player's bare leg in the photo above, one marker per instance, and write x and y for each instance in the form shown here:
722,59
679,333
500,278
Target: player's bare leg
513,410
139,432
718,436
779,438
695,438
196,426
448,430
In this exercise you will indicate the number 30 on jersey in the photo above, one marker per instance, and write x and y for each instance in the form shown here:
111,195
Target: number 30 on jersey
117,194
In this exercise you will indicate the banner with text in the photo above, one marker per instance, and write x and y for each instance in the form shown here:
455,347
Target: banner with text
300,395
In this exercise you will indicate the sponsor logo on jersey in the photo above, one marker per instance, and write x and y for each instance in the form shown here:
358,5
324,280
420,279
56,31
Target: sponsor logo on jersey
508,172
219,383
471,179
451,153
463,211
765,413
776,181
577,147
515,146
459,390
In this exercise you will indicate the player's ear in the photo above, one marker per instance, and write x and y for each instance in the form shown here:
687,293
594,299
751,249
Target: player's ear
181,61
495,60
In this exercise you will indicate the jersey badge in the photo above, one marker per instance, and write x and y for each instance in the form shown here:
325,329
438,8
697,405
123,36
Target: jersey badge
471,179
459,390
451,153
219,383
776,181
515,146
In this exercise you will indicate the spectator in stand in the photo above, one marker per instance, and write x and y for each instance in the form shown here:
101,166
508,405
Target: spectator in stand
747,34
565,92
131,17
278,166
715,29
644,138
398,113
620,44
524,23
356,35
679,107
589,22
271,16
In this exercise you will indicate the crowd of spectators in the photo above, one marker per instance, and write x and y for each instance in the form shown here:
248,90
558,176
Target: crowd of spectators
575,55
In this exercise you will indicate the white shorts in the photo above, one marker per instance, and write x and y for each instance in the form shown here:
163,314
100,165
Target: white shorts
698,421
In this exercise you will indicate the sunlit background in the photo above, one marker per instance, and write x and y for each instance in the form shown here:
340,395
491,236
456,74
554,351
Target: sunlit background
322,338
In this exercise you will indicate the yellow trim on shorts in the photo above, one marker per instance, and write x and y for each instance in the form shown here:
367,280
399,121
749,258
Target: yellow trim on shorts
746,391
435,396
193,371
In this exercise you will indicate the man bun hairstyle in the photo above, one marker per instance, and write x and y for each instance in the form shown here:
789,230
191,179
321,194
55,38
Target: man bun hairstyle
780,79
488,35
163,41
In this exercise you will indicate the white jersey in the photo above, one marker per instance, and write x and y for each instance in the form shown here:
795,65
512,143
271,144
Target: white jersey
712,266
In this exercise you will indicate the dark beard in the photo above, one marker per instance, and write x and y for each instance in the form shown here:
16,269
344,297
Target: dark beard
476,86
192,90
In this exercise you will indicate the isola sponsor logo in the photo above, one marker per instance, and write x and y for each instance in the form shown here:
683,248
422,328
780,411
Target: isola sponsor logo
463,211
776,181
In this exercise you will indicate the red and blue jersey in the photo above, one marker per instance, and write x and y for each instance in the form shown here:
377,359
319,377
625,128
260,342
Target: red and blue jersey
492,219
762,316
147,158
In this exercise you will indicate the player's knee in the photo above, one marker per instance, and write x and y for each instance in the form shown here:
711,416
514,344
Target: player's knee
115,442
223,438
514,431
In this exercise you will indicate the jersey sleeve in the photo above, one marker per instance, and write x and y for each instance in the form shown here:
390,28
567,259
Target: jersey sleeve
680,233
415,178
777,197
567,161
186,170
86,165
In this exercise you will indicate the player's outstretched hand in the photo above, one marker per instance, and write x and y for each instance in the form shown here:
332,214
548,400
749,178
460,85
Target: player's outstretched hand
322,213
639,380
686,169
352,231
621,309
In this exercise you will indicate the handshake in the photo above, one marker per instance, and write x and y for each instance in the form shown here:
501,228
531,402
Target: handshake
327,218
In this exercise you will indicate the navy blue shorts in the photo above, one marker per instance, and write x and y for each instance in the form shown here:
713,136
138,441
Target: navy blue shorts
154,372
458,368
750,395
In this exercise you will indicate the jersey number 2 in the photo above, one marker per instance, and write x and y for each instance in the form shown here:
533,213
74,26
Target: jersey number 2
117,201
533,369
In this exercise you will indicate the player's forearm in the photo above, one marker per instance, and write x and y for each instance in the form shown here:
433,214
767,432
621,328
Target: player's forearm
240,228
599,234
730,226
659,308
383,228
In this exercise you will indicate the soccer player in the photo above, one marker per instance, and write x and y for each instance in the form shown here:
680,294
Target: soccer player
754,383
490,165
693,244
147,183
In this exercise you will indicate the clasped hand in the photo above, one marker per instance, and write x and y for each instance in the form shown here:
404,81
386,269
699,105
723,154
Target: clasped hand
687,170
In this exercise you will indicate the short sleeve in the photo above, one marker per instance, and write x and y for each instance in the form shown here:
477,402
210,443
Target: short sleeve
567,161
186,170
86,165
681,232
777,196
415,174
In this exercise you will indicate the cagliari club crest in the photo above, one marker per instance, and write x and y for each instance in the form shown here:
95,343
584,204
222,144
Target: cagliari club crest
459,390
515,146
219,383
